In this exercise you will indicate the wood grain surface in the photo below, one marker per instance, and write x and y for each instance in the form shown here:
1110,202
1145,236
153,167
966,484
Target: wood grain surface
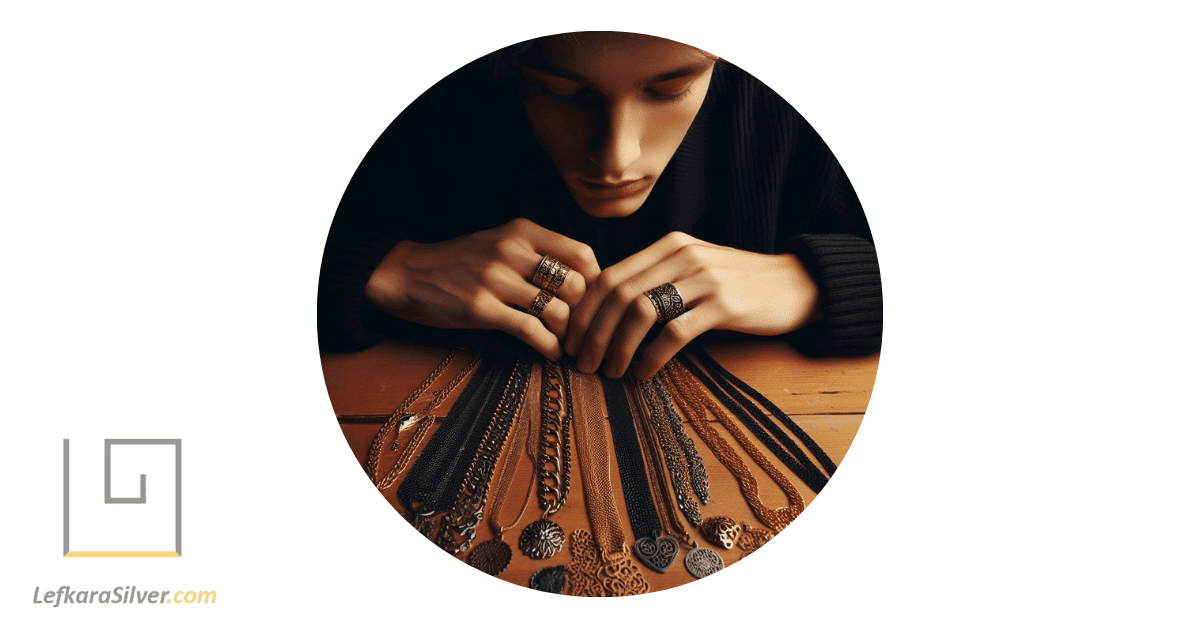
825,396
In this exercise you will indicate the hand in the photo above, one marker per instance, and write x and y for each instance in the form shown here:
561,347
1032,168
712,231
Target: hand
723,288
482,281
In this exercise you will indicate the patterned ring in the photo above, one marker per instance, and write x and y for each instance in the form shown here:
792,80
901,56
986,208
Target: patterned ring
667,302
550,274
539,303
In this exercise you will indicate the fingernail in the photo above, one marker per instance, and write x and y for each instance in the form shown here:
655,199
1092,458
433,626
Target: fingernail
613,372
585,365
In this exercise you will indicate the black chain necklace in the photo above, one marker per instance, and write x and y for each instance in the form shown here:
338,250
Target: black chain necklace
716,368
655,550
430,486
755,421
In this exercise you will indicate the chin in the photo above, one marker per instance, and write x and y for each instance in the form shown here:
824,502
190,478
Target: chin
617,208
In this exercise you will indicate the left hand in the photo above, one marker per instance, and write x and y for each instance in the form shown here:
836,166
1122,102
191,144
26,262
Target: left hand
722,288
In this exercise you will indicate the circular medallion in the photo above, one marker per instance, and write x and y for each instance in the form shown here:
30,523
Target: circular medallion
549,579
541,539
702,562
491,557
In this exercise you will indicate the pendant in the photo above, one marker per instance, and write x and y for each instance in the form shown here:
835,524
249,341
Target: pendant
702,562
549,579
491,557
658,554
541,539
720,531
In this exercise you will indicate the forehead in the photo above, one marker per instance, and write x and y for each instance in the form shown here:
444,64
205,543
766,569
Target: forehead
611,56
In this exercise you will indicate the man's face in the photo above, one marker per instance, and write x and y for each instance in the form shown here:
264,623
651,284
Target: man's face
611,109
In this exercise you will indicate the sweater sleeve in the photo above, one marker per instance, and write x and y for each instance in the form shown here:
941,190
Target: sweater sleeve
821,221
846,270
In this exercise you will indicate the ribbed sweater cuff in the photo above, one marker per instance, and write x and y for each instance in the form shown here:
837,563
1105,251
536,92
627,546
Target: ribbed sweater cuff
846,270
345,320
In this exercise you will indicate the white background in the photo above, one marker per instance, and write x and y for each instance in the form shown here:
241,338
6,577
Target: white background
168,176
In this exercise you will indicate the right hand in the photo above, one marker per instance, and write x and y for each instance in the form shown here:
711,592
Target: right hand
482,281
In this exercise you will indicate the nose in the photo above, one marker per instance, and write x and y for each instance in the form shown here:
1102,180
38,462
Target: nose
618,143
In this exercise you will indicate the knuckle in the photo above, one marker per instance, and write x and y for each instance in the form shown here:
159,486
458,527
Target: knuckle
693,253
626,293
588,257
677,238
477,309
505,247
575,284
606,281
492,273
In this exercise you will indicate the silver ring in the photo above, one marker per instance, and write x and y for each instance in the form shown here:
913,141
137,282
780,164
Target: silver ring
550,274
667,302
539,304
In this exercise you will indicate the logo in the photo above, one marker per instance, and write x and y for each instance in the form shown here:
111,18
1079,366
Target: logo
148,525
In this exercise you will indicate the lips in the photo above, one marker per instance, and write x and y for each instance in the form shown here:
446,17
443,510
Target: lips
603,190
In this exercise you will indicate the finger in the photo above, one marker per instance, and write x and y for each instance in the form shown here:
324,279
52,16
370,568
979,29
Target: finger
674,337
577,255
509,287
584,313
524,327
524,257
639,319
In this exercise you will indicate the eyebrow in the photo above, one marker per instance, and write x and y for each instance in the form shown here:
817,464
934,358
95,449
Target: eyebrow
680,72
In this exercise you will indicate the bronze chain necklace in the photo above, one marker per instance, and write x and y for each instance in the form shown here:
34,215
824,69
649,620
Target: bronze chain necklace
722,531
494,555
600,567
544,538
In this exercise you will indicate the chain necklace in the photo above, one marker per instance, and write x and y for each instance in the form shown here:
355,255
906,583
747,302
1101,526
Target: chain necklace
695,464
818,453
494,555
658,553
400,415
544,538
458,525
654,422
700,562
693,402
727,389
601,566
762,428
635,486
428,487
424,422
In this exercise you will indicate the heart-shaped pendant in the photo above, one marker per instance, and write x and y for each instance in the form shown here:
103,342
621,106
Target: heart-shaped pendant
658,554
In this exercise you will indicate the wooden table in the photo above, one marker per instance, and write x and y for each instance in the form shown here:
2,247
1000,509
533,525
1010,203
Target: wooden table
825,396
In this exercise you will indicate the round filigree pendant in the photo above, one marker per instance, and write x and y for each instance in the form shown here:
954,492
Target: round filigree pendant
541,539
702,562
491,557
549,579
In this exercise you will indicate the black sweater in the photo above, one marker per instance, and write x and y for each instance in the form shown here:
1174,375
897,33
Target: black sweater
751,174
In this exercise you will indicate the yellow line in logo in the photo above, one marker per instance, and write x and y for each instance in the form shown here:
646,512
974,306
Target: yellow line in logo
122,555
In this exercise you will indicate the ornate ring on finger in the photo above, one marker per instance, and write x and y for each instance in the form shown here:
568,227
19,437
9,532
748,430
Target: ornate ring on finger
667,302
539,303
550,274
